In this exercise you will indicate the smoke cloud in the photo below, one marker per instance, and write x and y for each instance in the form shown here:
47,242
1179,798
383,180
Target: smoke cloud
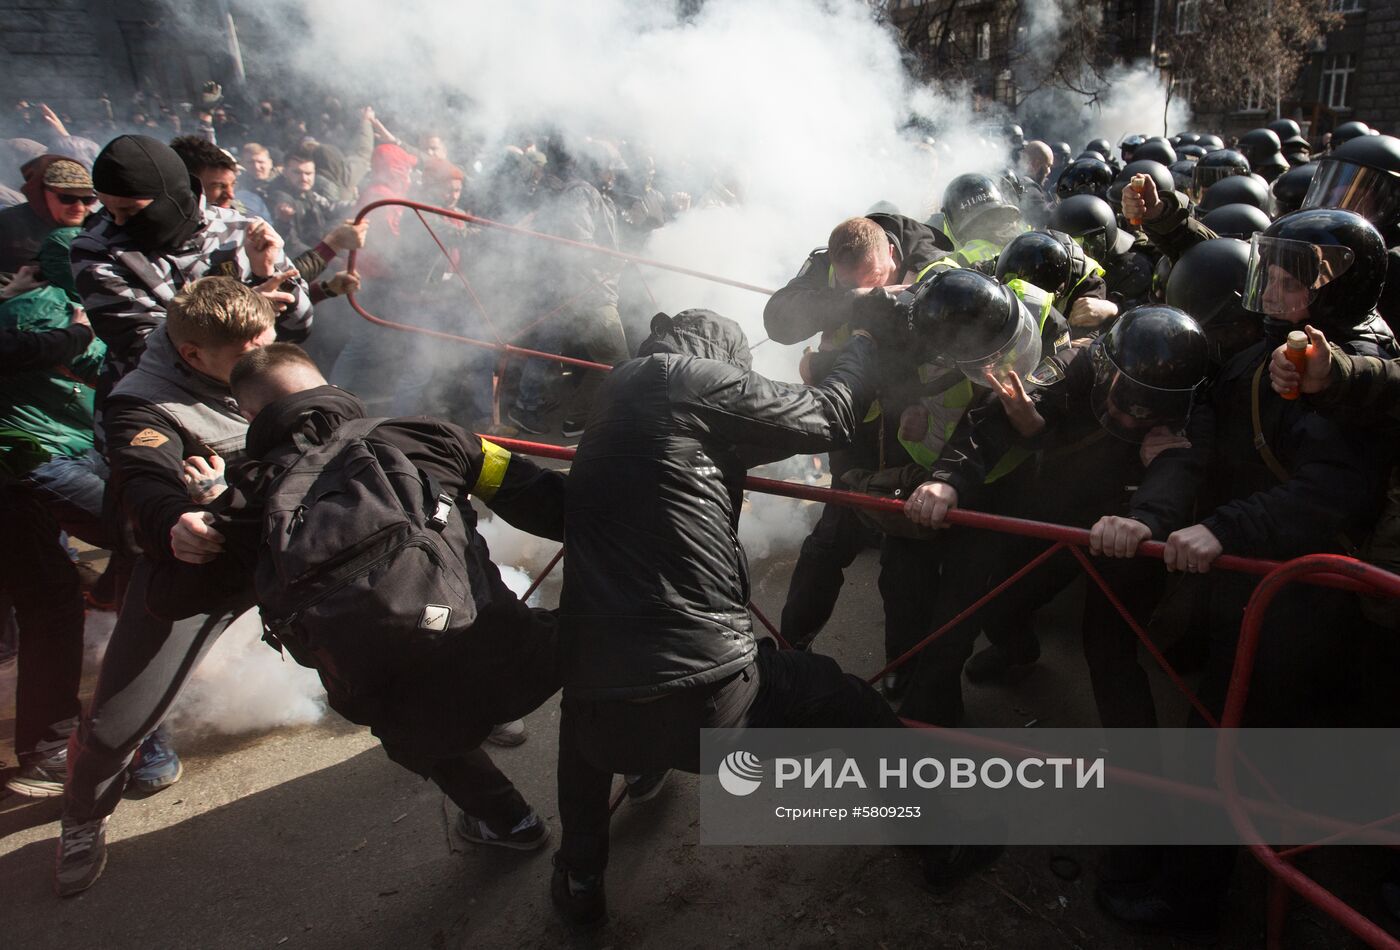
243,686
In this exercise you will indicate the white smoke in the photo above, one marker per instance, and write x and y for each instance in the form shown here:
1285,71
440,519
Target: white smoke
244,686
798,103
1135,101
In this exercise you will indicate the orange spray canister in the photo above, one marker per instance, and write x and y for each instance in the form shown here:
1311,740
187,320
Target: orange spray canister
1135,222
1296,352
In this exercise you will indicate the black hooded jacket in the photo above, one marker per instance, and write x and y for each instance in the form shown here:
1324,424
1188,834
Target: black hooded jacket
656,586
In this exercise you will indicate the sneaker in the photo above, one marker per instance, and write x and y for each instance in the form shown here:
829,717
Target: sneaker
997,663
528,421
895,684
528,834
156,766
572,428
579,898
41,778
508,733
643,788
82,854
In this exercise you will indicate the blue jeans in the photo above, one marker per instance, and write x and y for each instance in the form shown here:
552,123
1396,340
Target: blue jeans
72,489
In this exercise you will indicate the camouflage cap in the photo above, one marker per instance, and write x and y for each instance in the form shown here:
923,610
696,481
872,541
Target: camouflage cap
66,175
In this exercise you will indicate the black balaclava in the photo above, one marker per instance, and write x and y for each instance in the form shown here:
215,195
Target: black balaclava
138,166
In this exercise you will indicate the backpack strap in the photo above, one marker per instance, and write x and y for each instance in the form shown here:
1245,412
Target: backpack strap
1260,444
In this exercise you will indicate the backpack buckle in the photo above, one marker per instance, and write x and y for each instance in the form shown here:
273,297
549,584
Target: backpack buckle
442,512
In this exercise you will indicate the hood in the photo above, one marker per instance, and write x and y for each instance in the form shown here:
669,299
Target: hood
33,187
391,166
138,166
321,411
701,333
331,164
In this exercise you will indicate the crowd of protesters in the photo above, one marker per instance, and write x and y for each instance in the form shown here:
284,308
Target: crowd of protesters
158,265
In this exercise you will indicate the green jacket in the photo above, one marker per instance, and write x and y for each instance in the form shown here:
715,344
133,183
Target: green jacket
53,405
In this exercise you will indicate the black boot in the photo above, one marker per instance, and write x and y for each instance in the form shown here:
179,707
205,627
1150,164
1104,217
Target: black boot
579,898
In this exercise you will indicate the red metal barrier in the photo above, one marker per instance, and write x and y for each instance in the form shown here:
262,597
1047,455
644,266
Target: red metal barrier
1324,570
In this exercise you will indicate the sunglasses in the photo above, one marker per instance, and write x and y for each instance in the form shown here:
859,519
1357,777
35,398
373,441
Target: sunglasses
88,200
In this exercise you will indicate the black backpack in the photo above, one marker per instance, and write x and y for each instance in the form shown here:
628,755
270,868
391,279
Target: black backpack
361,569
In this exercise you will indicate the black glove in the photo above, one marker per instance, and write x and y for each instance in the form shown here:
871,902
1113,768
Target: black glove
881,314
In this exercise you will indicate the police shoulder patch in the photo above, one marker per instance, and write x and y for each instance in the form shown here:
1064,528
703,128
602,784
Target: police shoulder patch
149,439
1047,373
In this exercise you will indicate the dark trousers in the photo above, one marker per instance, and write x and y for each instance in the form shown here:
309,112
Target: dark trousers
780,689
910,571
839,535
148,660
43,586
434,719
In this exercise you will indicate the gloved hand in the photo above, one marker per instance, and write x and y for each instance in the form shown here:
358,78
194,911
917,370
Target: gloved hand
878,312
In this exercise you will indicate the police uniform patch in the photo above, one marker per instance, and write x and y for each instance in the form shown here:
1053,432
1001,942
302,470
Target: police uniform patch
149,439
1047,373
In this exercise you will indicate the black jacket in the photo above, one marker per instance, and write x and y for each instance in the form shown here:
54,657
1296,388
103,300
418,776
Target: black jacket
809,304
1336,473
656,585
1083,468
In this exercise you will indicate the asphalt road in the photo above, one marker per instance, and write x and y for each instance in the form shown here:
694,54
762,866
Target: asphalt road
309,837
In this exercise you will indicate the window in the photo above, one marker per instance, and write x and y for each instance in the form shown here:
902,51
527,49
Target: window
1344,6
1258,97
984,41
1188,16
1335,89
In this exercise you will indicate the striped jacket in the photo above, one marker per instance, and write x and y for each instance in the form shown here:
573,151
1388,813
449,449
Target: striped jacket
125,291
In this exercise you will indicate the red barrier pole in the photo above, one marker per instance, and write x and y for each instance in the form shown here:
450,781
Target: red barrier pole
1299,569
958,516
538,235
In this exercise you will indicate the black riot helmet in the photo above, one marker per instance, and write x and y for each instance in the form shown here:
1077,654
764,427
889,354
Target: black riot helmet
1192,152
1089,153
1159,173
1236,221
1182,172
1362,175
1161,273
1084,176
1290,188
1221,163
1285,129
1149,370
1211,142
1208,282
975,206
1129,278
977,323
1257,145
1326,264
1188,138
1102,146
1155,150
1348,131
1015,135
1130,144
1063,154
1271,167
1090,220
1051,260
1236,190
